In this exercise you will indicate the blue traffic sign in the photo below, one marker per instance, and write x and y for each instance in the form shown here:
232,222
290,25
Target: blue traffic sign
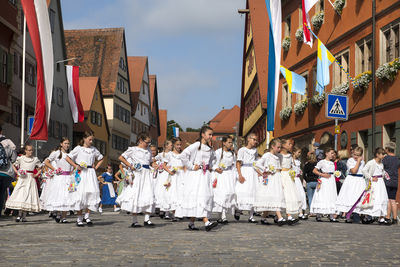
337,107
31,119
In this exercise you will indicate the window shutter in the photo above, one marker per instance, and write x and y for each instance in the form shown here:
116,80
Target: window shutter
9,69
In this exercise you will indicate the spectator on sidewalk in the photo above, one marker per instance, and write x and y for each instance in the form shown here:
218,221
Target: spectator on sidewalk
319,153
310,178
8,156
391,165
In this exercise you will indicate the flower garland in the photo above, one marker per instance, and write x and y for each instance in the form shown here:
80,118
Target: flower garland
388,71
341,89
300,107
284,114
286,43
317,20
338,5
318,99
300,35
361,81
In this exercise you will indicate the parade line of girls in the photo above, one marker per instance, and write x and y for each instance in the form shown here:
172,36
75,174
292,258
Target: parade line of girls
197,181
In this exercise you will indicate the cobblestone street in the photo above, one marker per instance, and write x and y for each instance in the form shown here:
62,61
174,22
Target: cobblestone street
110,242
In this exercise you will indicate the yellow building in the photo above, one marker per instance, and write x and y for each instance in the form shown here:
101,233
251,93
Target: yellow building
253,107
95,113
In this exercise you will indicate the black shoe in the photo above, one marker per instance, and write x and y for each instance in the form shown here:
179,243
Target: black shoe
387,222
394,221
135,225
318,219
89,222
167,218
64,221
211,226
162,214
57,219
303,217
334,220
281,222
292,221
174,220
348,221
192,227
251,220
237,215
257,214
149,224
264,222
80,224
222,221
18,219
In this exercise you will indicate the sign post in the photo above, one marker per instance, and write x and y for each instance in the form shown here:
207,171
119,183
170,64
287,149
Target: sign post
337,107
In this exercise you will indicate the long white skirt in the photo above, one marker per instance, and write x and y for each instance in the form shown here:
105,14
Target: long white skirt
59,198
293,203
197,198
47,188
350,192
139,196
224,192
87,194
171,199
25,195
159,189
324,199
270,197
246,192
301,193
380,200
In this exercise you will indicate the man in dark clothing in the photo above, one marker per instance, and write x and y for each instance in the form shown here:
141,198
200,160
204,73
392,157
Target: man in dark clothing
310,177
391,164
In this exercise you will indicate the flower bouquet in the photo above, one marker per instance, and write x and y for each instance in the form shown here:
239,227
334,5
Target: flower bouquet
337,175
58,171
22,173
214,184
386,176
137,166
72,187
319,181
222,166
167,183
83,165
292,174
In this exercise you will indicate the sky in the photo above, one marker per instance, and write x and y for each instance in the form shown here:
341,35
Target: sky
195,47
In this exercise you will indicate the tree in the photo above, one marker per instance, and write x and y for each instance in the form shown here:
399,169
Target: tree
170,131
192,129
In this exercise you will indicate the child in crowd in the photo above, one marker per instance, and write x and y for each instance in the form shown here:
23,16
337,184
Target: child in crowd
161,177
108,195
299,184
391,164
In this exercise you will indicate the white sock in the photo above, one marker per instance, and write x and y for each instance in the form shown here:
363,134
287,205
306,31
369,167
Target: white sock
382,220
290,217
223,214
281,219
251,214
146,217
80,218
207,223
87,214
134,218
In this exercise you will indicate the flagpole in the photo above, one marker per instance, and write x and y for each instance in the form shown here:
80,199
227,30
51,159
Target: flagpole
23,86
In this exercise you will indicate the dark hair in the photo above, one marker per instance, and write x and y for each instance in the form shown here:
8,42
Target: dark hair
25,146
152,145
204,129
246,142
62,140
141,137
274,142
353,146
378,150
296,148
175,139
224,139
86,134
328,149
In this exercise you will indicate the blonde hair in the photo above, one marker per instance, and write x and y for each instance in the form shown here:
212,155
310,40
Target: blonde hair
343,154
311,157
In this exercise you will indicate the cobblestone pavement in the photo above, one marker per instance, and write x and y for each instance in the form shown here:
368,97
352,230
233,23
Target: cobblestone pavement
110,242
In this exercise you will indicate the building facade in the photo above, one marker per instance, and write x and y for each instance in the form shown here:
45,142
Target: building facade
154,116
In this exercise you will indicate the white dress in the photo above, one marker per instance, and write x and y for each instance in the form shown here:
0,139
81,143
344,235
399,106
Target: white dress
246,192
59,198
224,188
87,194
324,199
269,197
160,178
352,188
291,195
299,185
25,195
172,195
139,196
47,188
197,198
379,196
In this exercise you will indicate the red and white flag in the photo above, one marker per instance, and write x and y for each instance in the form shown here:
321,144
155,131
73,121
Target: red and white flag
74,95
38,22
306,7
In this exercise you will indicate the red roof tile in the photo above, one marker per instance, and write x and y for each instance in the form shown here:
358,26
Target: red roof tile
87,87
136,66
188,138
228,122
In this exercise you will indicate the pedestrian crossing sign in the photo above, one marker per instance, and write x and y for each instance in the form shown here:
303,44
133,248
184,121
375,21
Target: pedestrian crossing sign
337,107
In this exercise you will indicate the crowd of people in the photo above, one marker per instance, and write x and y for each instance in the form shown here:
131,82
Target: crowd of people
197,181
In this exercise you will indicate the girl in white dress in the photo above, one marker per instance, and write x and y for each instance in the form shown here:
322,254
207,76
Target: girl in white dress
292,199
298,183
197,199
224,179
247,178
173,186
374,172
138,196
59,197
87,194
269,192
324,199
354,184
160,177
25,196
47,188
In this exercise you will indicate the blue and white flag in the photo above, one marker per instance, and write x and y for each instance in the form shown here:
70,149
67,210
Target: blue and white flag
176,131
275,35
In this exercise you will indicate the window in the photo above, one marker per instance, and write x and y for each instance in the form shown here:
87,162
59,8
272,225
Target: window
64,130
339,76
4,68
286,96
121,86
287,28
319,7
52,17
100,145
121,113
30,74
364,55
95,118
60,97
119,142
314,80
16,61
122,64
390,48
16,113
303,97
